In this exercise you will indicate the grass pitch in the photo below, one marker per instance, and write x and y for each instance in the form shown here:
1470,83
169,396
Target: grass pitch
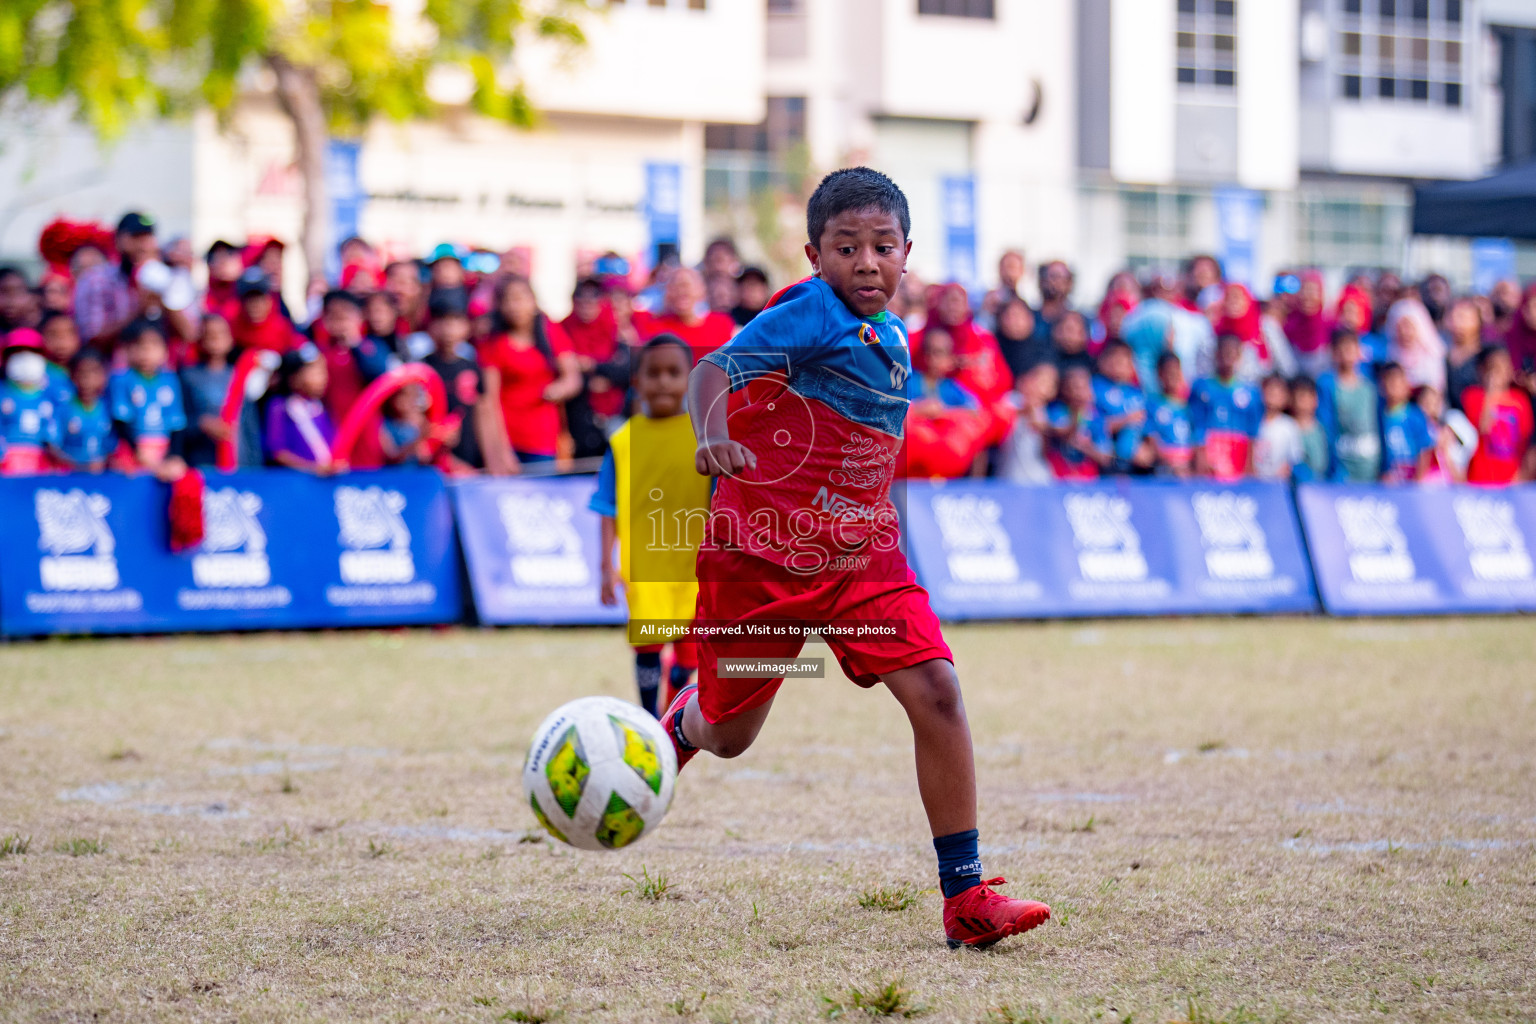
1238,821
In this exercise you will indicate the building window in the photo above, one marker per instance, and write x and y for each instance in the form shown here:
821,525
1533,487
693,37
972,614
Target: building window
1338,231
957,8
1207,42
1156,223
1408,50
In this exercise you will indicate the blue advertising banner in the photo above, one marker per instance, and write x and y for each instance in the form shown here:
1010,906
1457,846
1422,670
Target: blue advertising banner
90,554
1421,550
1239,223
1493,260
992,550
958,196
343,183
663,204
531,546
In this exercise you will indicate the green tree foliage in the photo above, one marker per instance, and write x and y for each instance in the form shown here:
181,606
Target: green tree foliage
338,63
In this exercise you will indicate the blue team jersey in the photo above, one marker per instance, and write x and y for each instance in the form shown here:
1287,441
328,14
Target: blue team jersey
1404,435
27,416
1170,427
824,409
1115,400
85,435
1066,460
151,406
59,387
1225,418
950,392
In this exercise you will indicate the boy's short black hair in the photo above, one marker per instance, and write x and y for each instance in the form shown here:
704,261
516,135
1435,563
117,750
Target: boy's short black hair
49,317
1304,383
336,295
1390,366
1228,339
138,329
659,342
1119,345
1166,358
1275,378
1488,354
88,355
855,188
587,284
1340,334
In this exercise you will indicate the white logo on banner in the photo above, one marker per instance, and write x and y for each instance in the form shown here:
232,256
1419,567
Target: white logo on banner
975,543
542,541
72,528
1235,546
1109,548
1495,546
375,535
234,549
1378,551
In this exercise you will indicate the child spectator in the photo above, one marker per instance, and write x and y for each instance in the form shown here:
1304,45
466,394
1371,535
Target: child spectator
752,294
1120,401
935,389
464,430
1169,428
648,476
61,343
403,432
1224,416
1502,415
85,438
1069,337
300,433
1464,324
1277,450
204,387
28,424
530,370
261,324
1022,351
1315,447
604,365
381,325
1455,436
1347,410
145,399
1023,451
1408,446
1078,447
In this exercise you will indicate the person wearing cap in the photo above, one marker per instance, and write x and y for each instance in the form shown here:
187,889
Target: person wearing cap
446,276
752,294
260,324
300,434
224,269
111,296
27,413
145,399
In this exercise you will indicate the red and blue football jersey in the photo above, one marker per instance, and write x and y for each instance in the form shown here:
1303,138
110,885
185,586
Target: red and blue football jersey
1225,418
819,395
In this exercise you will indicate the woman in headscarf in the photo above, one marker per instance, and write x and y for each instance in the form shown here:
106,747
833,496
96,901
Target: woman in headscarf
1521,339
1309,328
1242,316
983,371
1414,343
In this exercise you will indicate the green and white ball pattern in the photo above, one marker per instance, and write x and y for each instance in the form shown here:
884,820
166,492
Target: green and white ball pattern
599,773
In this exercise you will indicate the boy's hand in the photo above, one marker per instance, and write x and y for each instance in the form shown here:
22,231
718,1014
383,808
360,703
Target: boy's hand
723,458
609,594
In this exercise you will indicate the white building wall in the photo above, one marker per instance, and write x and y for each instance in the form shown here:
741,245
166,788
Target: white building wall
1142,91
1267,99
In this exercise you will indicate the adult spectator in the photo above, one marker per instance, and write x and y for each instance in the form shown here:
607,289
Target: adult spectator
1464,325
1203,281
1503,302
604,365
1010,271
530,371
720,259
1521,340
111,296
720,293
1308,328
1502,414
1148,328
681,315
1056,281
981,368
752,294
1415,344
1021,350
15,300
402,279
1435,294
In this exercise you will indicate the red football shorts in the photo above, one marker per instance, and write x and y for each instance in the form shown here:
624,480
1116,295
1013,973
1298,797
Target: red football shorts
737,588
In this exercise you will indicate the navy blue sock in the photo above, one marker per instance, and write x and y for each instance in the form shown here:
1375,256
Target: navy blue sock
648,678
959,862
680,676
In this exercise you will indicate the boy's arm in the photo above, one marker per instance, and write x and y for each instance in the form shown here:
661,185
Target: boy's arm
708,399
609,594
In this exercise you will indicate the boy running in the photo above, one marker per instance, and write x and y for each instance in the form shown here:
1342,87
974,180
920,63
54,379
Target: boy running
800,417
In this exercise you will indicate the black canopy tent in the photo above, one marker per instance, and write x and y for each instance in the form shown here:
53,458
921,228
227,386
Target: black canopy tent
1500,206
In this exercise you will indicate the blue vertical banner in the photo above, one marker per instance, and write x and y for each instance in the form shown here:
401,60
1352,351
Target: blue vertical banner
1493,260
531,547
1239,223
957,195
663,205
344,185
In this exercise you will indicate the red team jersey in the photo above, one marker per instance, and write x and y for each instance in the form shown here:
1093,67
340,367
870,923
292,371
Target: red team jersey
809,535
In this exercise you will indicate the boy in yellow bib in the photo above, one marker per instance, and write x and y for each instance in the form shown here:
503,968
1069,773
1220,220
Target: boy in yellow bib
654,505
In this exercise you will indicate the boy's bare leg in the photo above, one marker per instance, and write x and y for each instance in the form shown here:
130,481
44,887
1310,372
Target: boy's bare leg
723,739
946,770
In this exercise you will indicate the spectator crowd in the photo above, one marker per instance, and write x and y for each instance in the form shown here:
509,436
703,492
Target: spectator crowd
127,356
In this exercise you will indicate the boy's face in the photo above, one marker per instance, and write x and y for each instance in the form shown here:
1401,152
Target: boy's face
1040,384
257,306
1304,401
1228,351
587,304
90,379
861,254
1070,335
1276,396
447,273
1346,353
380,314
448,332
60,340
1077,388
216,342
664,380
1431,404
1170,377
1118,365
753,293
1394,388
147,353
343,322
938,353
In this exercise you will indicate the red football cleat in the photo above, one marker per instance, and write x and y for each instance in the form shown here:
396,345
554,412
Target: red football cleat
979,917
669,719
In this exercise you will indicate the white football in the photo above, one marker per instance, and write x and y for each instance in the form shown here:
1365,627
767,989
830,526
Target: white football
599,773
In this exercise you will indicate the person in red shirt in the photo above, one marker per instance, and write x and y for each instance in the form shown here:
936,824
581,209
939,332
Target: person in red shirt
530,369
260,323
402,279
224,267
680,315
604,362
1502,415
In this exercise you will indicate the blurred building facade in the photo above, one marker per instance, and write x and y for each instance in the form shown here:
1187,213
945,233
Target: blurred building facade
1109,133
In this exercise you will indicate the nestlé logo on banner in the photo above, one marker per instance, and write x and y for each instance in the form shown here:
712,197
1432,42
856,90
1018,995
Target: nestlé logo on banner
542,543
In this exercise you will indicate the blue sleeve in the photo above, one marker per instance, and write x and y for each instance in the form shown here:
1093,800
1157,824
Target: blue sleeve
1197,415
605,500
117,400
176,412
956,396
1255,412
778,338
1426,435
